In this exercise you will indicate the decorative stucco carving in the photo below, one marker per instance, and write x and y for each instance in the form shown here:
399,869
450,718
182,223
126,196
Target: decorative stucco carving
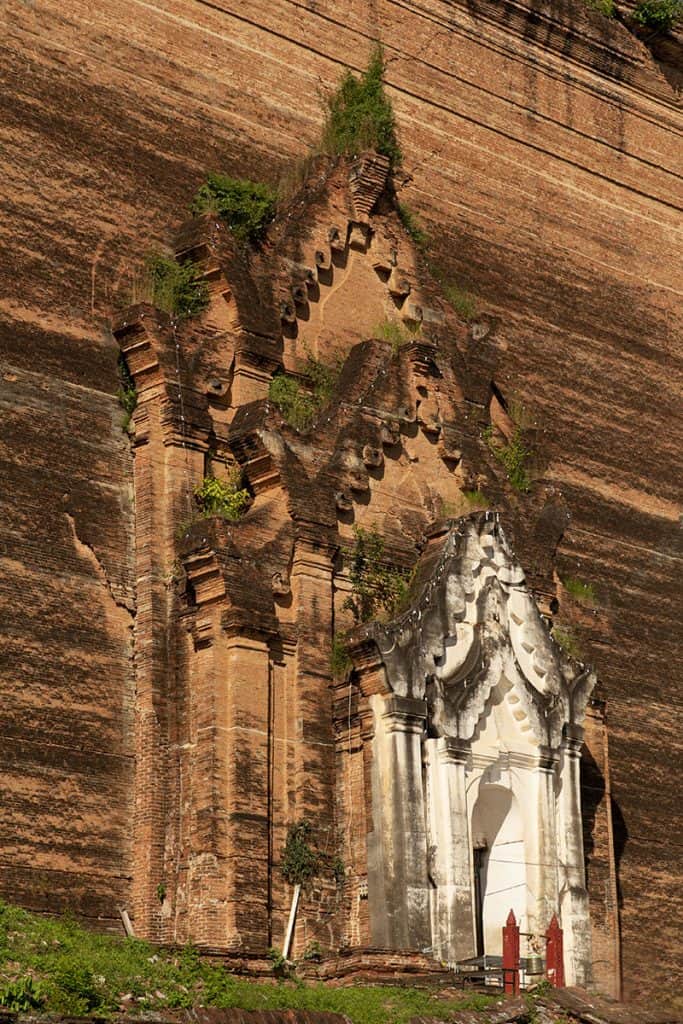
473,623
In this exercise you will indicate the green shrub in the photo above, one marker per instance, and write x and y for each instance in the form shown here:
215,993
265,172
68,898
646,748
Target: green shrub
376,589
300,860
605,7
412,225
178,289
360,116
76,992
513,456
584,593
313,952
299,406
223,498
660,15
247,207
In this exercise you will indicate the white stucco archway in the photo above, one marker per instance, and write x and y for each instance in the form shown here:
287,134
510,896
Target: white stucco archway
501,885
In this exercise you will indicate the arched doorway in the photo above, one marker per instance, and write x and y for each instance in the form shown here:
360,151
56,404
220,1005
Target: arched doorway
500,882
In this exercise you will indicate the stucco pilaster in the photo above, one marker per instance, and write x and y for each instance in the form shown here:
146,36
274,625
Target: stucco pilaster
450,853
398,883
542,848
573,894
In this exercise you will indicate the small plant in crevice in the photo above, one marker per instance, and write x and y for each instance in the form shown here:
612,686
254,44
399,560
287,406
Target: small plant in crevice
396,334
659,15
514,456
298,405
313,952
225,498
376,588
360,116
161,892
178,289
567,641
582,592
247,207
465,502
281,965
127,392
462,301
412,225
339,870
340,659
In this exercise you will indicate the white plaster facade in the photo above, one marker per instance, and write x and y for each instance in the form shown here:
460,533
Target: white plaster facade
475,780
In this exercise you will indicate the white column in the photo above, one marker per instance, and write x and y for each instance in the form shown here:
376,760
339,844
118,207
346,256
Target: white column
398,886
450,848
575,919
542,859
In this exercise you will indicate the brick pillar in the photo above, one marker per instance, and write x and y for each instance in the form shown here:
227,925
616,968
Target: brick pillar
450,864
243,725
163,471
398,884
596,800
313,783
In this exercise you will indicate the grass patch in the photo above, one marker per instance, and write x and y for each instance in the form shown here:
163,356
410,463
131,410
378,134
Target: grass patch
567,641
56,966
475,499
463,302
605,7
178,289
360,116
660,15
247,207
298,404
225,498
584,593
397,335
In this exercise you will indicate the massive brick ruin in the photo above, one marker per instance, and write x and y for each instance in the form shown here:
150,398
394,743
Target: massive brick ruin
169,705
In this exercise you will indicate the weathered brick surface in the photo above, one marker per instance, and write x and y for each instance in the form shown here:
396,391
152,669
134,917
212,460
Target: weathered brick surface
543,146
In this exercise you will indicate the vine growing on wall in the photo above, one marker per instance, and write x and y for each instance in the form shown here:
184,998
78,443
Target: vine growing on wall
127,392
304,857
377,589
